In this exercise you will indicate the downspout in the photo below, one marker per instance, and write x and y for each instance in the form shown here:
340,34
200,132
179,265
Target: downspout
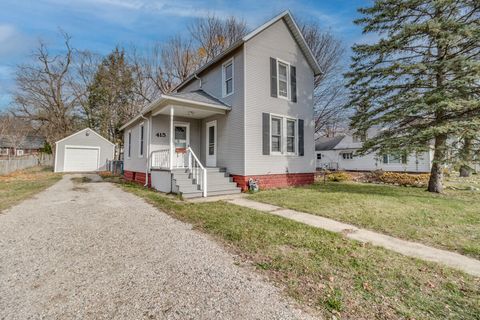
198,78
147,167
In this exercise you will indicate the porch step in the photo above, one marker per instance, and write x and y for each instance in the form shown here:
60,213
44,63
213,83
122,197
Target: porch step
219,183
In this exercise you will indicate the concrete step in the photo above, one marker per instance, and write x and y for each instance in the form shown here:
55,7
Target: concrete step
209,194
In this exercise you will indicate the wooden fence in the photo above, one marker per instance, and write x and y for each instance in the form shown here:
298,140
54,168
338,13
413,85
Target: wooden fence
13,164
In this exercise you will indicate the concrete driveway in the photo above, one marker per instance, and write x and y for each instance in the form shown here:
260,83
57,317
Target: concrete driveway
93,251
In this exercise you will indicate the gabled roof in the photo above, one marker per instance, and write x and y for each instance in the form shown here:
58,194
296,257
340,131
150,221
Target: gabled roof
30,142
324,143
292,26
78,132
198,96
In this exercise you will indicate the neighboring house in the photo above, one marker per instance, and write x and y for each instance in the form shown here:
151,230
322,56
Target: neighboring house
30,146
83,151
339,153
246,114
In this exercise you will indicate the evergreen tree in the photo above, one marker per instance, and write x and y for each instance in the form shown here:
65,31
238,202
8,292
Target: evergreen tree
110,96
419,80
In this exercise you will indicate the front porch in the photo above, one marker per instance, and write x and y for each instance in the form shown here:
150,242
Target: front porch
182,144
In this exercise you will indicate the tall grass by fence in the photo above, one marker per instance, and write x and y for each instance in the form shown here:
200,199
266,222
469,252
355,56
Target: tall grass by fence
10,165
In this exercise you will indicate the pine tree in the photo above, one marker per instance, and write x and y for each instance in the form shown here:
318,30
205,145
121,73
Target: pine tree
110,95
420,79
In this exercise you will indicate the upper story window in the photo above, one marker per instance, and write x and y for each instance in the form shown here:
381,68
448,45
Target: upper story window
142,133
227,75
283,79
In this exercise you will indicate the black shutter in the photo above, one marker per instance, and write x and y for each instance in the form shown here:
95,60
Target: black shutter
266,133
273,77
301,148
293,83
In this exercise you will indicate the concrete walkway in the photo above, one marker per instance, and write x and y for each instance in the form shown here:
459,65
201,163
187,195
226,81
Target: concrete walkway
408,248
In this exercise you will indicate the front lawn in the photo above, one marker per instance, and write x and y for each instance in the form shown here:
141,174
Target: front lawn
21,185
325,271
450,221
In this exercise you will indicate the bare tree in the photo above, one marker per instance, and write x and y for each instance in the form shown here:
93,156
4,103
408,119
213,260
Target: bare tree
329,88
213,35
43,95
14,131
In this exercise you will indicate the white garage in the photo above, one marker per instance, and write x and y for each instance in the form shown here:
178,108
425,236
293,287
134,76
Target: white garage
83,151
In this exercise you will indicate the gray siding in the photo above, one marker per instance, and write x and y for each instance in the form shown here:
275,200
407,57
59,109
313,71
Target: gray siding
81,139
277,42
231,129
160,124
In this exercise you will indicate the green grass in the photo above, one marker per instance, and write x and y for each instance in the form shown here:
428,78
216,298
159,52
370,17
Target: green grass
450,221
325,271
21,185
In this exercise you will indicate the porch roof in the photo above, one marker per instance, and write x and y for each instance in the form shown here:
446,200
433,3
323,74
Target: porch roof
194,104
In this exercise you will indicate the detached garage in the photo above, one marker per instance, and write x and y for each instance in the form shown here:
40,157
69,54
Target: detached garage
83,151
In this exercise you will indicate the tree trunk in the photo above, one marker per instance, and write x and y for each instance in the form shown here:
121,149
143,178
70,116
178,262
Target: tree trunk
435,184
466,157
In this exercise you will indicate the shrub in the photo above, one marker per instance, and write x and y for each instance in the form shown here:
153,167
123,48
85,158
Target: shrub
404,179
339,177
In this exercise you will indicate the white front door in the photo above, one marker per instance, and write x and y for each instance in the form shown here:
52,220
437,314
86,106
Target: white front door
181,141
211,143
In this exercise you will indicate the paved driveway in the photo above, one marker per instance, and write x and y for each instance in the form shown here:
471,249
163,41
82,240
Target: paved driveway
96,252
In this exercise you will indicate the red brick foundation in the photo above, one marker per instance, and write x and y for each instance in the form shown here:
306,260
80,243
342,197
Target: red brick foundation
271,181
137,177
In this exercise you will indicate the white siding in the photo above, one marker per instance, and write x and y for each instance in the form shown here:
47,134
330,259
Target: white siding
277,42
333,159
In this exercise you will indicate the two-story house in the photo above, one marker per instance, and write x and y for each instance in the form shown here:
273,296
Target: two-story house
248,114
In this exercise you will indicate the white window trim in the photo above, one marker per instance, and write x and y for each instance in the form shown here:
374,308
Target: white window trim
224,84
283,135
129,140
288,79
181,124
343,158
140,139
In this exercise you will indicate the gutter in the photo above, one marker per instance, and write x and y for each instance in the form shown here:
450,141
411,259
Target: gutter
147,167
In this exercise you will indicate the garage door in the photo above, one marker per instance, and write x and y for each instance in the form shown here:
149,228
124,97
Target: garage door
81,159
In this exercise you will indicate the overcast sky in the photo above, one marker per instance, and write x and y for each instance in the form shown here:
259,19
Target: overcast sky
99,25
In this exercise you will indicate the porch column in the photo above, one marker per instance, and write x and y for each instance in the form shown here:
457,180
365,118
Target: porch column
172,133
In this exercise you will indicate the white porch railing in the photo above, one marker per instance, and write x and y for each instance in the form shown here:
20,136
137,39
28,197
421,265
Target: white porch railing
198,171
160,159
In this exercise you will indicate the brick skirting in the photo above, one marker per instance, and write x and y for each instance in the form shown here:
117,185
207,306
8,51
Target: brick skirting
271,181
137,177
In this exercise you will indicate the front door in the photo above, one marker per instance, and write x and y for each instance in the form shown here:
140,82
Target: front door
212,143
181,141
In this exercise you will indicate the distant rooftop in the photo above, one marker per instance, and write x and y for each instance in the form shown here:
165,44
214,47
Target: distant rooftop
31,142
326,143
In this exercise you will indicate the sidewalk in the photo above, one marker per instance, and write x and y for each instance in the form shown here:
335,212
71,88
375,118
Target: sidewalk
407,248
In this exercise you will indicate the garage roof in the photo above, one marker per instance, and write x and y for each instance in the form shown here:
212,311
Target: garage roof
83,130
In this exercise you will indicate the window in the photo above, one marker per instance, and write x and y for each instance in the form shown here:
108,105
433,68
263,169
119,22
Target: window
129,144
347,156
283,79
19,152
359,137
4,151
228,78
291,135
319,156
141,139
276,135
394,159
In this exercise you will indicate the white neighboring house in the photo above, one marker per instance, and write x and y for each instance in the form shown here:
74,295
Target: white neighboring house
339,153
